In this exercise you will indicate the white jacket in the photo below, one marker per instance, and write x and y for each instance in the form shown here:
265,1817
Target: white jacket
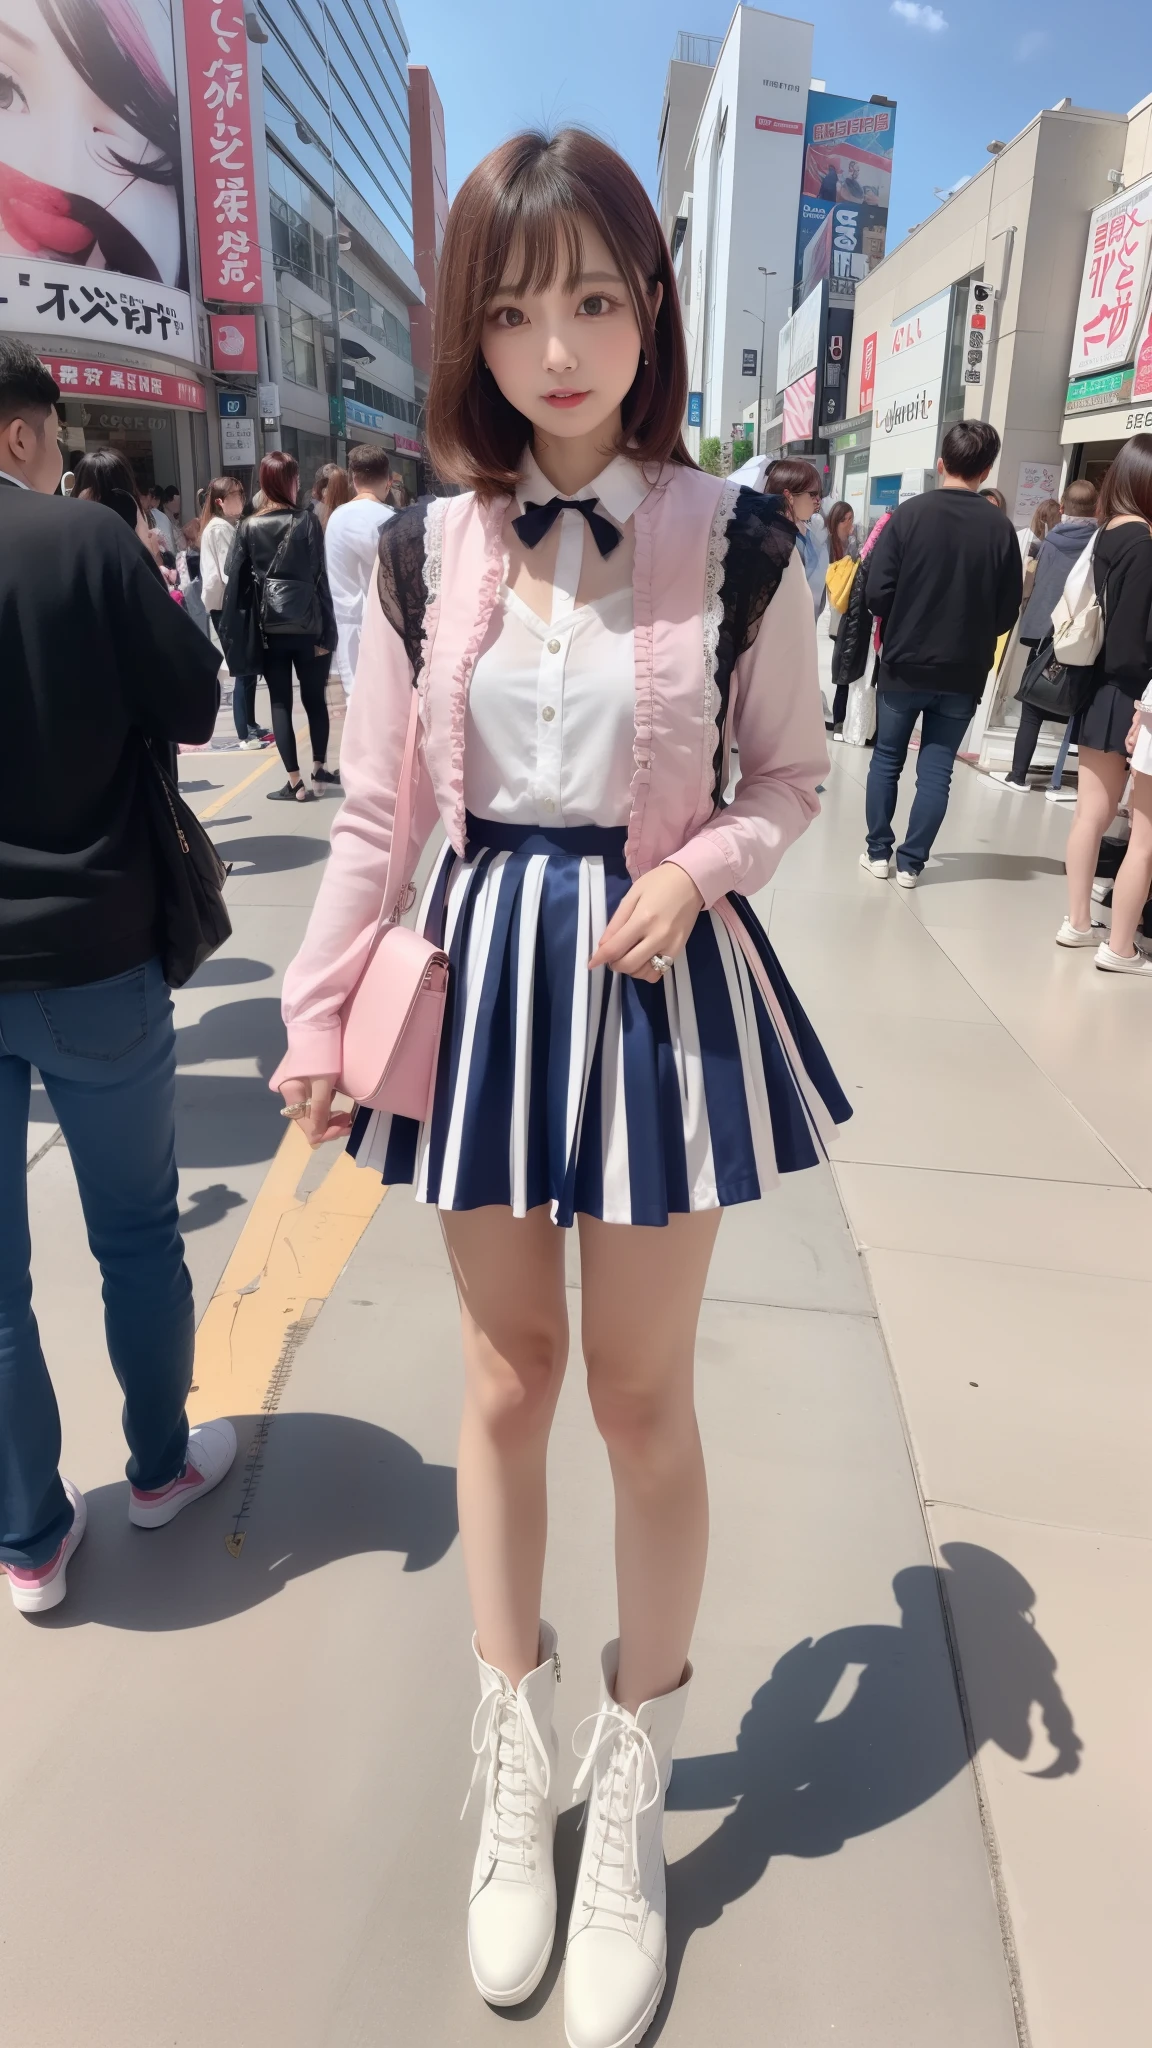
215,543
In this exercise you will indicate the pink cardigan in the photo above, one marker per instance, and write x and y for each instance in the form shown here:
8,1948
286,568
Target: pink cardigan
775,717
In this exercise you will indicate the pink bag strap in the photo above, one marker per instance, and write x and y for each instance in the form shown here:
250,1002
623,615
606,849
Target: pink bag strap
390,908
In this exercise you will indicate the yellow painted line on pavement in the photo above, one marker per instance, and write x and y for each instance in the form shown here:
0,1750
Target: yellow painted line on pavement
286,1262
271,760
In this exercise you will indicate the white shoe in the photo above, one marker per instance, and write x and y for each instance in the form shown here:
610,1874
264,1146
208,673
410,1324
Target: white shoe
211,1449
1004,777
38,1587
252,746
617,1953
907,877
1101,889
1118,963
512,1904
1070,934
879,868
1059,796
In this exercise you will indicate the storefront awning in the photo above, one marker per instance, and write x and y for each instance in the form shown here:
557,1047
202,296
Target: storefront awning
1115,423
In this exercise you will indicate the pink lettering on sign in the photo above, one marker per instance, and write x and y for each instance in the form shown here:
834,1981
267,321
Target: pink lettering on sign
103,379
1108,308
217,48
779,127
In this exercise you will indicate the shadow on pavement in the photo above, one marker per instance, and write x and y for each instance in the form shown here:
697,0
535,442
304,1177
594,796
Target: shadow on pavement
857,1729
224,971
271,853
987,867
208,1206
323,1487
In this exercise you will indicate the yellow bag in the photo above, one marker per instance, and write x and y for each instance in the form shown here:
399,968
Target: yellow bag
839,577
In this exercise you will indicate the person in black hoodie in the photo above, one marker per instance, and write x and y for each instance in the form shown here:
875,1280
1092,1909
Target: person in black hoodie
1122,577
945,580
277,616
97,663
1055,557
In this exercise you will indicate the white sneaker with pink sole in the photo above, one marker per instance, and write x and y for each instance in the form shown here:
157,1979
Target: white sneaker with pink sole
211,1449
37,1588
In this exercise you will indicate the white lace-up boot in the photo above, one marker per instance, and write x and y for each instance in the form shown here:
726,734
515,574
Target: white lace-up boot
617,1942
512,1904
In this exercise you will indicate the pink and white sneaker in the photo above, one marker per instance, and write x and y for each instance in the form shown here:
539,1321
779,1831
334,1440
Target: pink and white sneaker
211,1449
36,1588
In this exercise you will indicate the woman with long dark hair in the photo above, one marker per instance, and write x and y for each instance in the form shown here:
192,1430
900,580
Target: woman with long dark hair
220,515
90,172
277,616
1110,725
571,649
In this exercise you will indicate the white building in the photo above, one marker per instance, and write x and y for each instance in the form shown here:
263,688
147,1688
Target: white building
734,233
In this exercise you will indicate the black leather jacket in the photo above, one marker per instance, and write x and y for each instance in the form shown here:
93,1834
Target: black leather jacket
249,559
854,633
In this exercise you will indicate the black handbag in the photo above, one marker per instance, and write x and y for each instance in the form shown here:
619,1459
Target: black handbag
289,605
190,878
1048,685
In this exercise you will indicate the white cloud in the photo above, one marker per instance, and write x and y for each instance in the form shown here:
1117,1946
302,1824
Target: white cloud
1030,45
919,16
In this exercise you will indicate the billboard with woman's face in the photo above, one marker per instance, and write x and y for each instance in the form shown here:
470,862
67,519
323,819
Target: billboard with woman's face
92,234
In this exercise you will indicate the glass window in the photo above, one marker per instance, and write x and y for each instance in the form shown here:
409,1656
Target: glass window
387,401
298,346
301,223
368,313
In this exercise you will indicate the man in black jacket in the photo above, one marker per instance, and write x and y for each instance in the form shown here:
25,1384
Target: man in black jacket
95,658
945,580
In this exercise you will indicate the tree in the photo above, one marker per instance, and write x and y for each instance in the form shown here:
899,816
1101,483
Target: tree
710,454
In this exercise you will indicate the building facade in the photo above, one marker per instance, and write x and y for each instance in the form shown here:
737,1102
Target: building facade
685,90
429,207
735,233
256,287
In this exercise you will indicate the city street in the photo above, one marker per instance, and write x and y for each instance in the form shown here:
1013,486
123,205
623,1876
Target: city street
904,1809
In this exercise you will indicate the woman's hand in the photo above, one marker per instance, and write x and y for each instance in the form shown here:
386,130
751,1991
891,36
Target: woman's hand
1133,730
321,1121
656,916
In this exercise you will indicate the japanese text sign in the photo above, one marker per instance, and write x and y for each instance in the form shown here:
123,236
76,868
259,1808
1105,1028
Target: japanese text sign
79,379
93,305
222,156
1115,281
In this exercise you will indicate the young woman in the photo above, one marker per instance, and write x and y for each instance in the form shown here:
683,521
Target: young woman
282,538
1110,727
590,629
338,490
797,481
222,512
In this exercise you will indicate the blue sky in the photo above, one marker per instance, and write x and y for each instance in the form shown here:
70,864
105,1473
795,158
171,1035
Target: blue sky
965,72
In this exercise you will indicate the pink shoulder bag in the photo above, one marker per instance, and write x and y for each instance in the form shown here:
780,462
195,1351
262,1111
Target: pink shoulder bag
393,1018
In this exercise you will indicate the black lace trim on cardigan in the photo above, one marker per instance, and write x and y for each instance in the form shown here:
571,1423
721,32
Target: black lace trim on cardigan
400,580
761,540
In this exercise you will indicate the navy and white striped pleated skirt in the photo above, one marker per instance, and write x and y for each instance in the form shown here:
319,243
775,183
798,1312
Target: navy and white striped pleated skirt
622,1099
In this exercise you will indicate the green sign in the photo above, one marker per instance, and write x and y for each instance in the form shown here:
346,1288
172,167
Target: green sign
337,416
1091,394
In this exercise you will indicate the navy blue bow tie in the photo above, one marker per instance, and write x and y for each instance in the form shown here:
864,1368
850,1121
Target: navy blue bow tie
537,520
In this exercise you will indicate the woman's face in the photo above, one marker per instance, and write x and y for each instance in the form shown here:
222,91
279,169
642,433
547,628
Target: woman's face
801,505
844,527
566,359
59,144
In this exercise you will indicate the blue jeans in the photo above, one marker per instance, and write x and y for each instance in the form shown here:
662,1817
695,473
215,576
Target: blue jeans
947,716
106,1054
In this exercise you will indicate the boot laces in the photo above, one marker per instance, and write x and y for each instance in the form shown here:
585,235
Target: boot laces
511,1752
621,1767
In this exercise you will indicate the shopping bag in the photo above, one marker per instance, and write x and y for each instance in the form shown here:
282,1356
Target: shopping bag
860,715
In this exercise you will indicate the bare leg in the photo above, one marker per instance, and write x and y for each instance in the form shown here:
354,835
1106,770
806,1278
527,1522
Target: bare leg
642,1290
1130,889
510,1278
1100,785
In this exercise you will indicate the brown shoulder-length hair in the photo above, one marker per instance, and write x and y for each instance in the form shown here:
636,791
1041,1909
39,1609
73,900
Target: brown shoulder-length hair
524,203
1127,487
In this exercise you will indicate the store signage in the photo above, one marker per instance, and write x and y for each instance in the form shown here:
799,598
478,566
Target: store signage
981,299
799,407
844,192
1036,482
60,299
268,398
1096,394
867,372
779,127
233,404
1114,285
695,408
748,362
339,410
112,380
222,155
407,446
234,342
909,376
93,251
799,346
238,443
833,403
1142,372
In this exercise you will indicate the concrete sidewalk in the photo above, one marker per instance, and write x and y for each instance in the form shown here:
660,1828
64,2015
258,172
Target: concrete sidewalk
233,1769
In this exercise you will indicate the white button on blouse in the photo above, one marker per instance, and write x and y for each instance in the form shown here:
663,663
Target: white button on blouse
551,707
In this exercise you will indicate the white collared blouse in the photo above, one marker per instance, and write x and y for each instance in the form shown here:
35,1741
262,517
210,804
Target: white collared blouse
551,708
